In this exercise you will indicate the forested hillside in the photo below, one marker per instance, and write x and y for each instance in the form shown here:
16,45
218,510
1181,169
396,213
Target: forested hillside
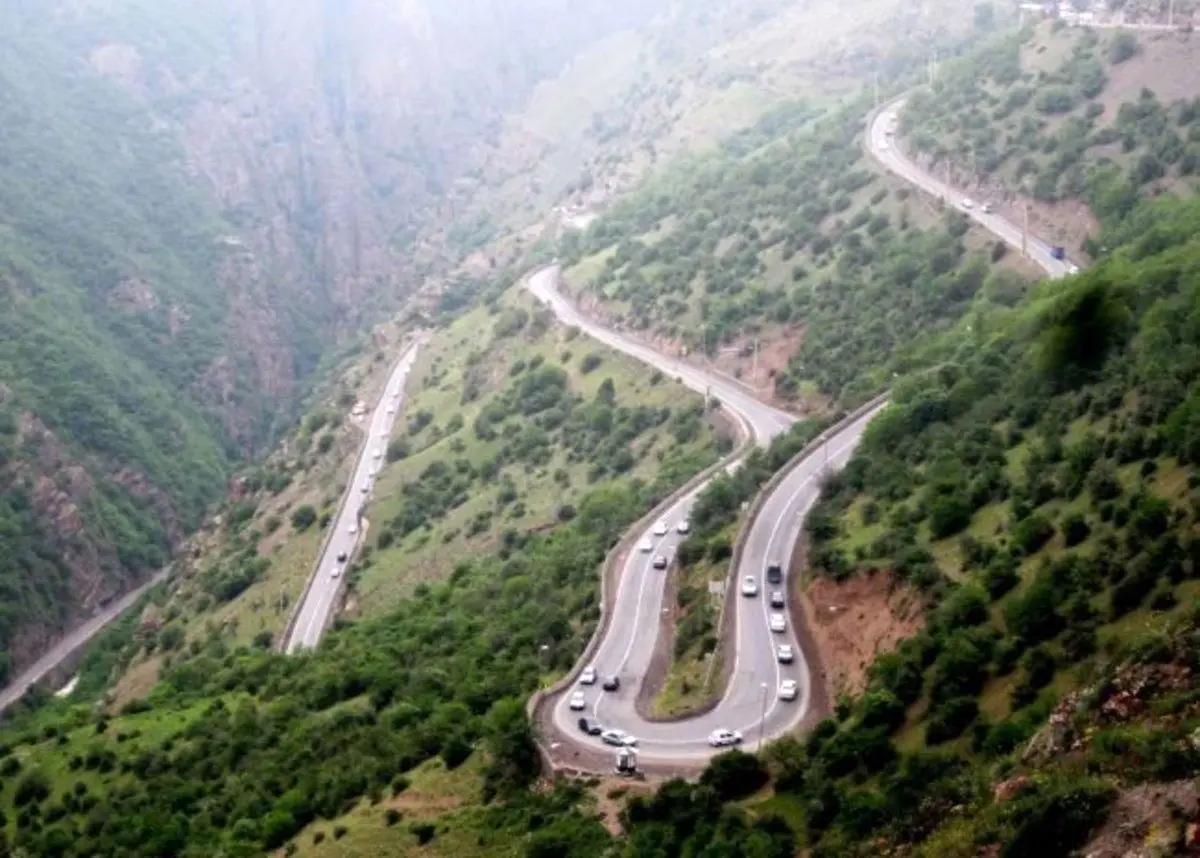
1057,116
788,239
1038,485
196,206
115,364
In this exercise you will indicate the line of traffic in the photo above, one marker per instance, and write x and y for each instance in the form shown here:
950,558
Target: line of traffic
320,598
758,654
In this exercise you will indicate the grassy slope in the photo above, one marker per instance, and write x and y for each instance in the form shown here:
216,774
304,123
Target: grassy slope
1059,116
515,495
1047,507
792,240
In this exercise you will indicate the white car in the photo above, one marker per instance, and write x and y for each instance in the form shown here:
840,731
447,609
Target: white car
724,738
683,526
986,208
391,409
749,586
588,677
789,689
785,654
374,470
645,545
968,203
578,703
366,487
353,529
778,623
337,570
660,529
883,147
1072,268
660,562
378,452
617,737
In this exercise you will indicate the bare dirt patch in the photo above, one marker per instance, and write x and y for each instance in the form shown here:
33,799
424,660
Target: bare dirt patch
134,684
1151,819
1165,64
854,621
611,795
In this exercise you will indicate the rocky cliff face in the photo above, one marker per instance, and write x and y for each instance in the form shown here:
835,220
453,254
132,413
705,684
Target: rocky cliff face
195,201
326,129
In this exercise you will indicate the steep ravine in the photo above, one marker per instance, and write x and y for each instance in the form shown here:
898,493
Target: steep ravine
196,202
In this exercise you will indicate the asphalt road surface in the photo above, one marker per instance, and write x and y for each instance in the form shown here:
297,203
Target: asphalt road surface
751,703
73,641
881,146
764,421
322,595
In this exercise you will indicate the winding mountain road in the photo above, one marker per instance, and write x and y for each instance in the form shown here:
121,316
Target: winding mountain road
880,145
751,704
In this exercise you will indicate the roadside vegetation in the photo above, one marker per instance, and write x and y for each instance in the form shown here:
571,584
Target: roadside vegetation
1054,114
1040,487
1034,478
237,750
788,235
511,420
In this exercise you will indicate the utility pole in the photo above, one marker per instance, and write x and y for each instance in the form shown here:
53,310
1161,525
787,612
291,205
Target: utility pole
754,364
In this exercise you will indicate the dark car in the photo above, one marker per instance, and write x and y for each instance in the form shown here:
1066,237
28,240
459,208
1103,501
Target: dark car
774,573
611,683
342,557
590,726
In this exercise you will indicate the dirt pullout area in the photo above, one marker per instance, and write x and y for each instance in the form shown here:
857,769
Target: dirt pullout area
1151,819
736,359
853,621
612,793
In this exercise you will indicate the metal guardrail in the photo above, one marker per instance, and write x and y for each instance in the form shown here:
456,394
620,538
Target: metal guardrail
724,629
609,570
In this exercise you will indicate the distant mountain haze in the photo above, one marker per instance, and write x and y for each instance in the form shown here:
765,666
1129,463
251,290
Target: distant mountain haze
196,201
